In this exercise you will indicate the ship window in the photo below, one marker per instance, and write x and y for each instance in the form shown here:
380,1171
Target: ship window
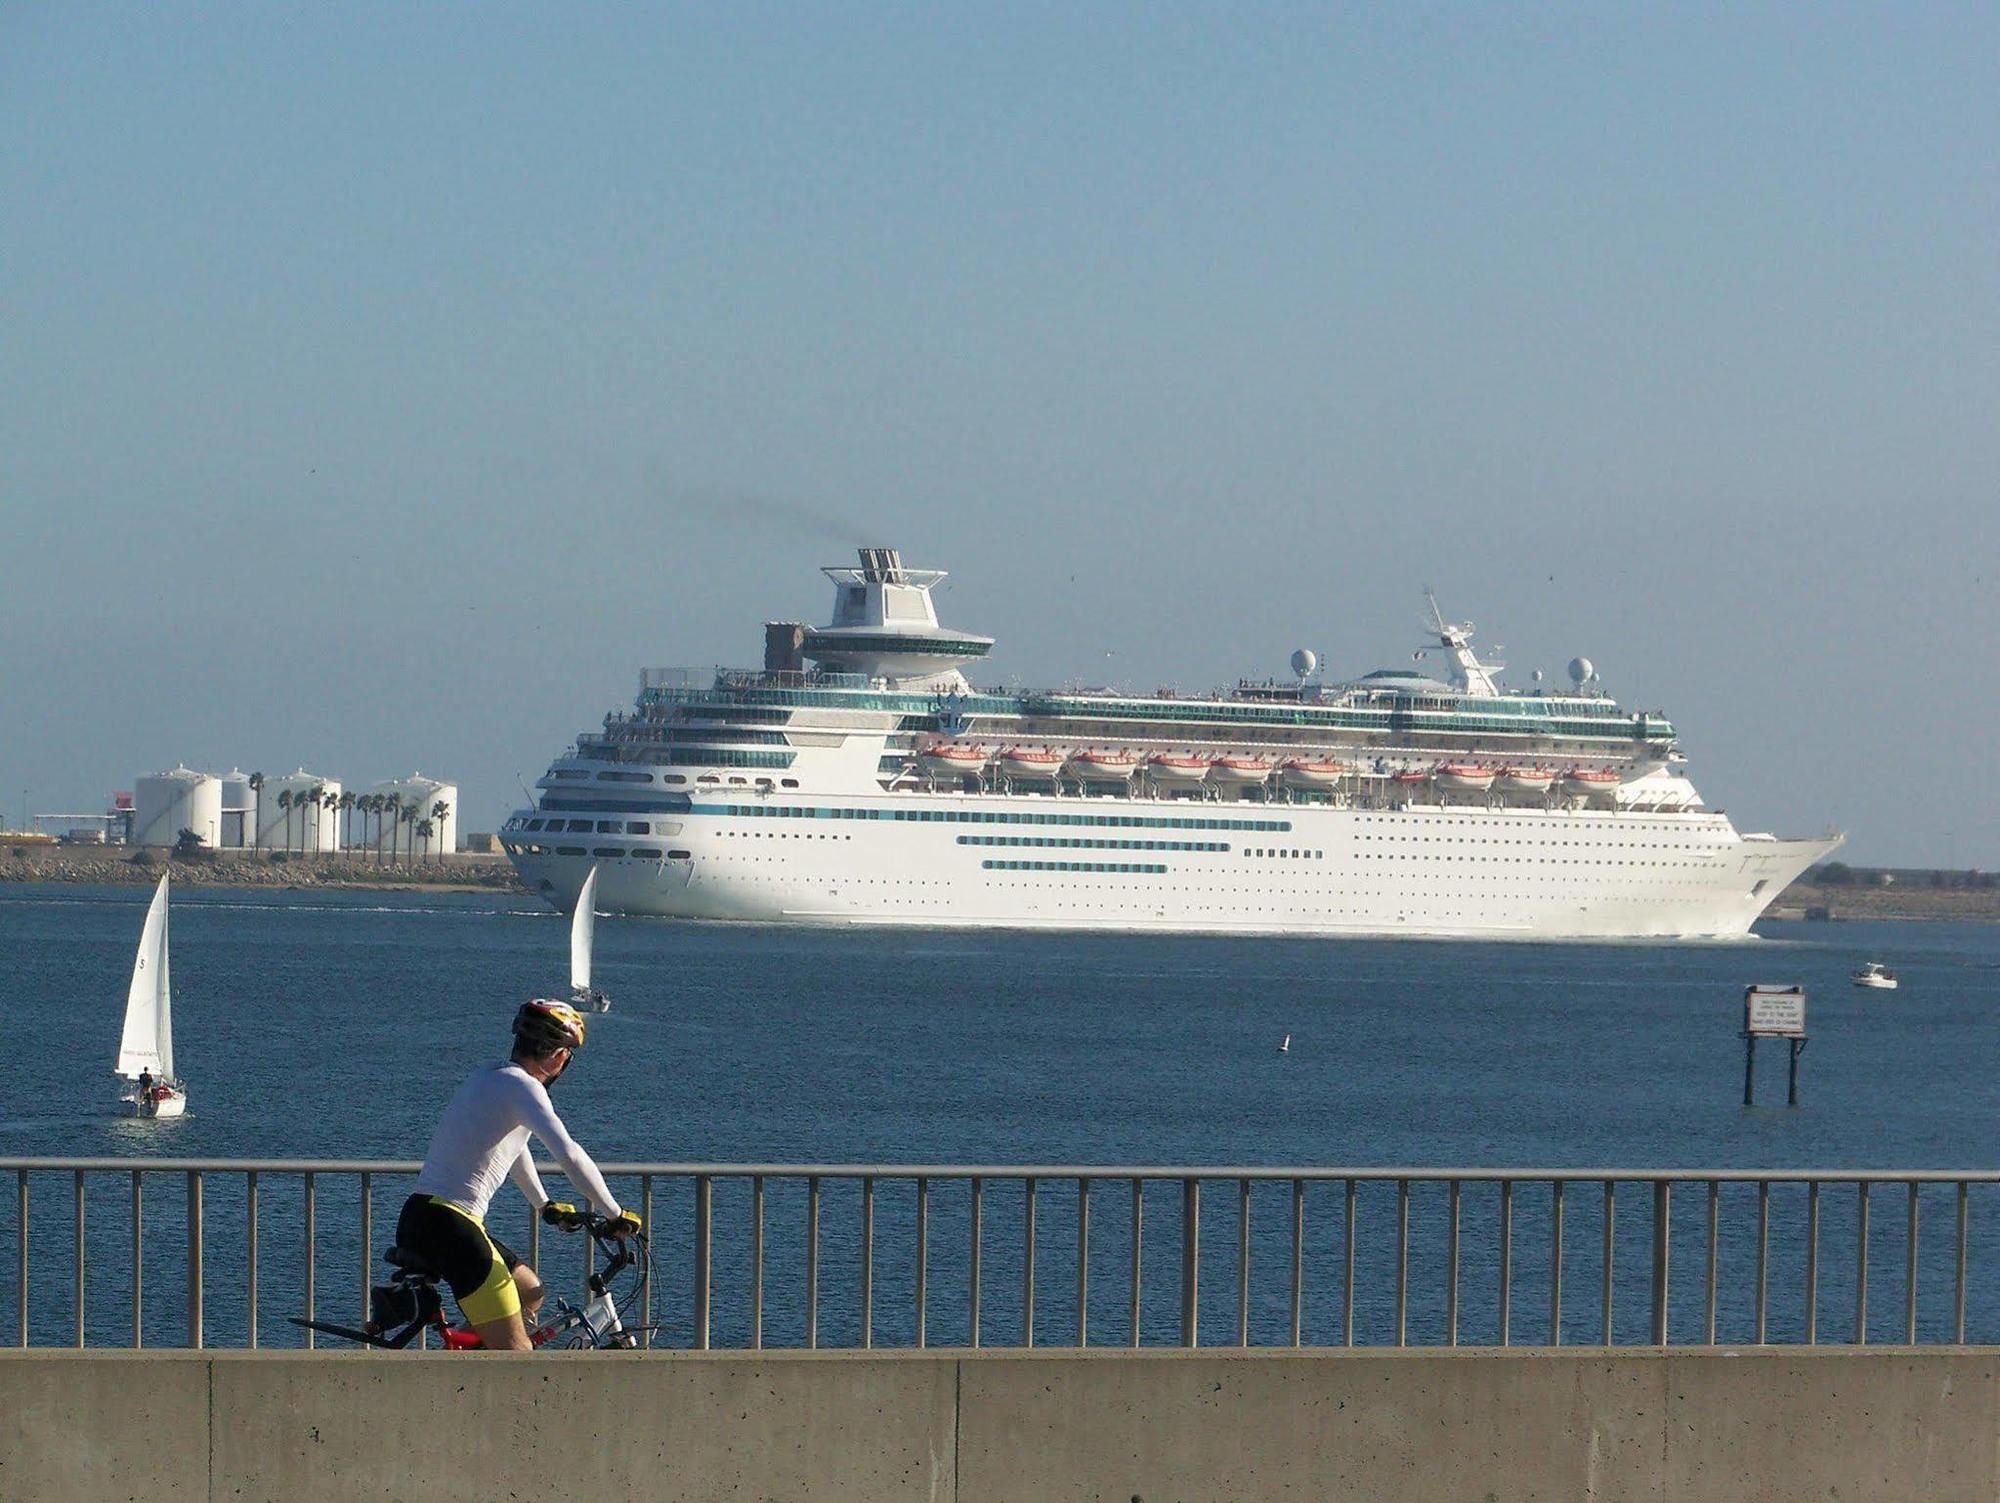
786,782
608,826
533,824
675,777
680,855
607,850
645,852
637,827
569,850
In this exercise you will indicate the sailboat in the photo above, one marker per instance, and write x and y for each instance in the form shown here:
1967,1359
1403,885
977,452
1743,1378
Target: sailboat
147,1046
582,927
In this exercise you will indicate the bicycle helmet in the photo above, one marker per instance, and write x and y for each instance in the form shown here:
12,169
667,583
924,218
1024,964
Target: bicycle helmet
544,1026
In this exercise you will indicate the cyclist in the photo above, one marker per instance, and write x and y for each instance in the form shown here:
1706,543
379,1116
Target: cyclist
482,1137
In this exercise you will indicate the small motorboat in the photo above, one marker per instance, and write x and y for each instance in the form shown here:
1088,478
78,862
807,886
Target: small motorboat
146,1048
1286,1046
1875,976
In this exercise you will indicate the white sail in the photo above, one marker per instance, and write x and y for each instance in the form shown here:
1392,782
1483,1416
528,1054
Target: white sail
148,1041
581,926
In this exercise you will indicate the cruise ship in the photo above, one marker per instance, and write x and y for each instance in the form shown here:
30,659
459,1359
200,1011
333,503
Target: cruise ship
858,777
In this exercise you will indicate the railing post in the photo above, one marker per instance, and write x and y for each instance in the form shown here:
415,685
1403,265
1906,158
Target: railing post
1709,1280
646,1273
194,1334
250,1254
1083,1262
812,1261
1190,1260
1506,1262
138,1265
311,1261
1861,1263
21,1272
1347,1269
1763,1253
1610,1253
1662,1199
1402,1261
1451,1264
867,1261
1298,1257
1556,1263
1812,1262
1028,1263
1958,1280
1243,1262
367,1240
1138,1238
923,1257
974,1229
703,1236
77,1238
757,1262
1910,1272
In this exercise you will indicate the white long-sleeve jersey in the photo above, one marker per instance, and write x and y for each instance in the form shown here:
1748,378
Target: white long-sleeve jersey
483,1138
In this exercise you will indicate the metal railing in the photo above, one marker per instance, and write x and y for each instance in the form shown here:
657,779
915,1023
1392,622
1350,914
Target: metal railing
759,1255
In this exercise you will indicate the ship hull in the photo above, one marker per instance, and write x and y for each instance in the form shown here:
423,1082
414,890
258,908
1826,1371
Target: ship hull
1187,866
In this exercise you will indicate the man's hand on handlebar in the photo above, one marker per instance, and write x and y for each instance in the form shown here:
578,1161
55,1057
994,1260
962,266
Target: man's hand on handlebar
563,1215
624,1224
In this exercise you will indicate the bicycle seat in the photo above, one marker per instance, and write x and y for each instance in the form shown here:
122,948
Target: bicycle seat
411,1263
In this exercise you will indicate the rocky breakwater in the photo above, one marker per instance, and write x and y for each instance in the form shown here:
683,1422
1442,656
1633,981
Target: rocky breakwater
107,865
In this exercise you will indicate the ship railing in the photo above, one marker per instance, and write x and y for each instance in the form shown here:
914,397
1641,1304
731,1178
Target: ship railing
748,678
163,1251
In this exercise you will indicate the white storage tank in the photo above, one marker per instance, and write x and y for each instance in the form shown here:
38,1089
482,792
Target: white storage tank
167,803
239,809
393,831
292,813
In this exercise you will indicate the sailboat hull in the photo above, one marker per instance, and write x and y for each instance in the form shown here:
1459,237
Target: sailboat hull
172,1105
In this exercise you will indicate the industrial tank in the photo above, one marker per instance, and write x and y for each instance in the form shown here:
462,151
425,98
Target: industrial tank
170,802
396,832
239,809
300,822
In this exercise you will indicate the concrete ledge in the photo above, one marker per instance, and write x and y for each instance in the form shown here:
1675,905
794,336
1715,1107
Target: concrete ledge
981,1427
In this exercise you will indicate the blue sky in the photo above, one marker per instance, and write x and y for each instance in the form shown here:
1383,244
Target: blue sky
382,386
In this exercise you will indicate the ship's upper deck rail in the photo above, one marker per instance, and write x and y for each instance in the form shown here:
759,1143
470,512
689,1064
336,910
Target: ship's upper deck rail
1375,713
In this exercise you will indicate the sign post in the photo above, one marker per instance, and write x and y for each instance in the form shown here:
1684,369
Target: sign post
1773,1012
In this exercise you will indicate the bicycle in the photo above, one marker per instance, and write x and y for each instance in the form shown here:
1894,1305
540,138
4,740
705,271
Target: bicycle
411,1304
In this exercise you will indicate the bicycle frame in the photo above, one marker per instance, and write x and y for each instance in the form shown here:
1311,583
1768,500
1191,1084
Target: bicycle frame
595,1323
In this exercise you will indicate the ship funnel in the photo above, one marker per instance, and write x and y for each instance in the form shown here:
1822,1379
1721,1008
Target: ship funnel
882,565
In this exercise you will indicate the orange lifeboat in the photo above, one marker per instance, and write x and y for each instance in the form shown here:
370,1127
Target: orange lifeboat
1304,772
951,759
1526,779
1466,777
1102,766
1597,782
1028,762
1164,768
1412,777
1242,771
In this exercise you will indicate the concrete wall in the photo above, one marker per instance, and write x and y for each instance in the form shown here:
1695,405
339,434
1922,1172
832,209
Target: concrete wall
961,1427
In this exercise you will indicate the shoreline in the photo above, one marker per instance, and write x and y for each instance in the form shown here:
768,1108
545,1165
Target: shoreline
110,866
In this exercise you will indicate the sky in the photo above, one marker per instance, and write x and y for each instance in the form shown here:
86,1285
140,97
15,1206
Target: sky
382,386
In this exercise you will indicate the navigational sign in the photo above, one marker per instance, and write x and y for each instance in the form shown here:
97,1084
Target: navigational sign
1775,1011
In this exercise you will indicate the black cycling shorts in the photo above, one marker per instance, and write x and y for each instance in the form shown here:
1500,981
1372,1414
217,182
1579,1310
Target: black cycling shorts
478,1266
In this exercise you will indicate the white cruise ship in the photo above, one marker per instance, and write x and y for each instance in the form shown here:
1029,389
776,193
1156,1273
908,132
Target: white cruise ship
858,778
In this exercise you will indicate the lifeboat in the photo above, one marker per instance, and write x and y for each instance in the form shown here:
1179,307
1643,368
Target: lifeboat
1028,762
1600,782
952,759
1176,770
1303,772
1526,779
1102,766
1242,771
1412,778
1465,777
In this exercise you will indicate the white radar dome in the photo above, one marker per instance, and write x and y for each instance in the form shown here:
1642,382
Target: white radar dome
1304,661
1581,671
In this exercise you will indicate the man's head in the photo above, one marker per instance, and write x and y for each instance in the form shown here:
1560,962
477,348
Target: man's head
546,1033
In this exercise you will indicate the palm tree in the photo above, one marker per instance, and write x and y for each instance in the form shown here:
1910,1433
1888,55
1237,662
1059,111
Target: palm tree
424,829
377,808
438,811
347,802
312,799
285,803
331,803
256,812
410,812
